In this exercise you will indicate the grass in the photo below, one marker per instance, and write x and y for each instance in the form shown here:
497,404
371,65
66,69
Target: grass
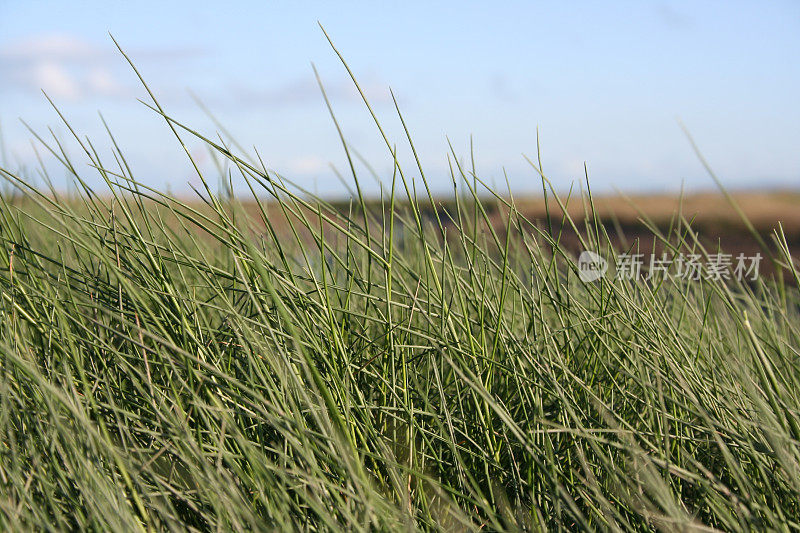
166,365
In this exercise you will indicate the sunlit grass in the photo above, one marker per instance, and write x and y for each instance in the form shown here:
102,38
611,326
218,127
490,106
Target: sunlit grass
169,364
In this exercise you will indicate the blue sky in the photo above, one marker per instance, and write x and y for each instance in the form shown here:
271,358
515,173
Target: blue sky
604,82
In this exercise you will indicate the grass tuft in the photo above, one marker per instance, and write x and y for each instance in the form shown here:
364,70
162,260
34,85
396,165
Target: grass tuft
272,361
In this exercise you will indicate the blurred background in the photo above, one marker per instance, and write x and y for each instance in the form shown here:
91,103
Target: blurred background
605,83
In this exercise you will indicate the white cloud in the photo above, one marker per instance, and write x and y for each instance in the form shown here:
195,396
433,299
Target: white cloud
52,47
102,81
68,67
54,79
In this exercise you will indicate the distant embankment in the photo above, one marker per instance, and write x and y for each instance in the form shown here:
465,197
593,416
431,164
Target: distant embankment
626,219
711,215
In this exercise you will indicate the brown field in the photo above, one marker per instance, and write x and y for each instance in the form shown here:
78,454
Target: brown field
710,215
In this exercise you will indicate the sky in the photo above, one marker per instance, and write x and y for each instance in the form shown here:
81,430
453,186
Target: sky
605,84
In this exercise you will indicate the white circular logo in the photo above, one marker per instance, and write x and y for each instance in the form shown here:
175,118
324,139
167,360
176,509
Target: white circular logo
591,266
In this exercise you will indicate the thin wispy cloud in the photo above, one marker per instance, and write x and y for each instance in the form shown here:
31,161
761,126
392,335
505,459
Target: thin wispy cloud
67,67
70,68
305,90
502,90
672,18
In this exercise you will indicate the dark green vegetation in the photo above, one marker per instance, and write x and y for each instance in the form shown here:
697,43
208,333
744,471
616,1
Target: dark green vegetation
165,365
